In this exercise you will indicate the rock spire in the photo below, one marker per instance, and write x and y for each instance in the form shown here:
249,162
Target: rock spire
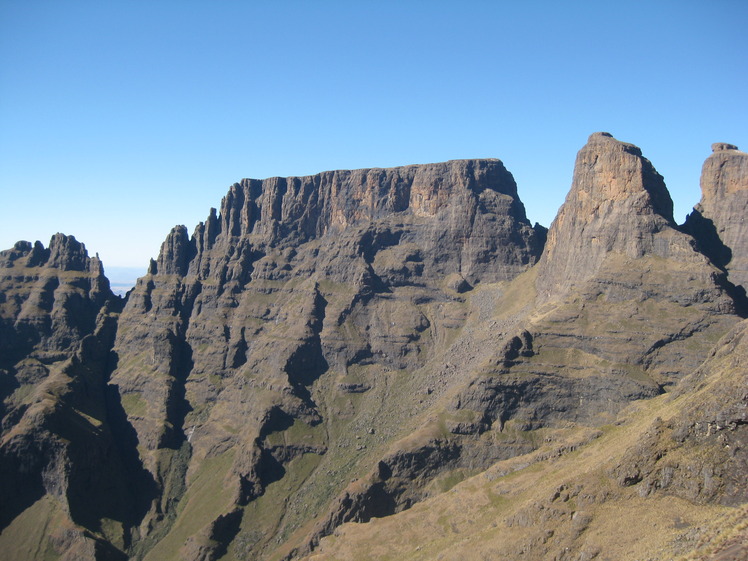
719,220
617,203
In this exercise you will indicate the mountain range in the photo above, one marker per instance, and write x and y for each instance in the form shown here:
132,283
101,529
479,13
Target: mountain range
391,364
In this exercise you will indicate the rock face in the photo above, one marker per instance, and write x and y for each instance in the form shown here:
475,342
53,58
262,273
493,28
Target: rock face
461,213
618,203
57,454
50,297
337,348
297,291
718,221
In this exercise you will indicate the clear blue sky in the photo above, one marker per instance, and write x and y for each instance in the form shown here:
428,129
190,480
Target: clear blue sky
119,120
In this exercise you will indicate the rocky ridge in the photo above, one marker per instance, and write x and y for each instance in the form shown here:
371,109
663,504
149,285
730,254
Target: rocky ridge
341,347
57,452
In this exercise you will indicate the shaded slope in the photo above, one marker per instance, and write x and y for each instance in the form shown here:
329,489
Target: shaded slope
59,456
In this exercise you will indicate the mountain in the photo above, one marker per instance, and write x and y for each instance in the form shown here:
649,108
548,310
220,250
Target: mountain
391,363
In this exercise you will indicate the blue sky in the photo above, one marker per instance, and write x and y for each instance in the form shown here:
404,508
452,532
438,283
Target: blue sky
119,120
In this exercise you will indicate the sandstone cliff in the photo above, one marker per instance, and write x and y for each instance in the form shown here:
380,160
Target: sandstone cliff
617,203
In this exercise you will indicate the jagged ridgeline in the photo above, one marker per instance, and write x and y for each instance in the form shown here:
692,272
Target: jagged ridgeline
390,364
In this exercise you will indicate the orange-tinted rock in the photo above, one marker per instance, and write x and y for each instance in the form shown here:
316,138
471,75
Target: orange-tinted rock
617,203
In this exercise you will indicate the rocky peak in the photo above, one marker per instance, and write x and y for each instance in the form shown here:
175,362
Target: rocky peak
718,221
610,170
64,253
68,254
724,172
173,259
720,146
49,297
617,203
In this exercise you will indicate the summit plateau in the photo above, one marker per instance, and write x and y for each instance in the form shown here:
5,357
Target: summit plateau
391,364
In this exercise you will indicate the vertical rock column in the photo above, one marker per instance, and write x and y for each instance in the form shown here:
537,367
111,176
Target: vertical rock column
618,203
719,221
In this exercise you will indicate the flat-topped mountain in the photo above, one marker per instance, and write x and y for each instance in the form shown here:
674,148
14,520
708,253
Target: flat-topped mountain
459,213
346,347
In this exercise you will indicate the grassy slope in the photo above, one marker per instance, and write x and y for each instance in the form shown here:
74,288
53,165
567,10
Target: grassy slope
27,537
205,499
564,501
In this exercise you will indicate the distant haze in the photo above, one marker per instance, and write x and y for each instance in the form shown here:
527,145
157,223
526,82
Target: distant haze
123,279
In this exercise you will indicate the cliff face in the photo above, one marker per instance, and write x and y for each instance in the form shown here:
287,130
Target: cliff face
50,298
343,347
718,221
300,296
617,203
461,214
58,460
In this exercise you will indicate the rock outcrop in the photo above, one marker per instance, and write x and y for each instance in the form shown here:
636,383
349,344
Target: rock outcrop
719,220
614,257
617,203
50,299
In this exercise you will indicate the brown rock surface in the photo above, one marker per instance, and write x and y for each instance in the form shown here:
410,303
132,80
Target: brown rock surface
617,203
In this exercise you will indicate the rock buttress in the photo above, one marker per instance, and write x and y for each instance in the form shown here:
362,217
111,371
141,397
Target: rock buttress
719,220
617,203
